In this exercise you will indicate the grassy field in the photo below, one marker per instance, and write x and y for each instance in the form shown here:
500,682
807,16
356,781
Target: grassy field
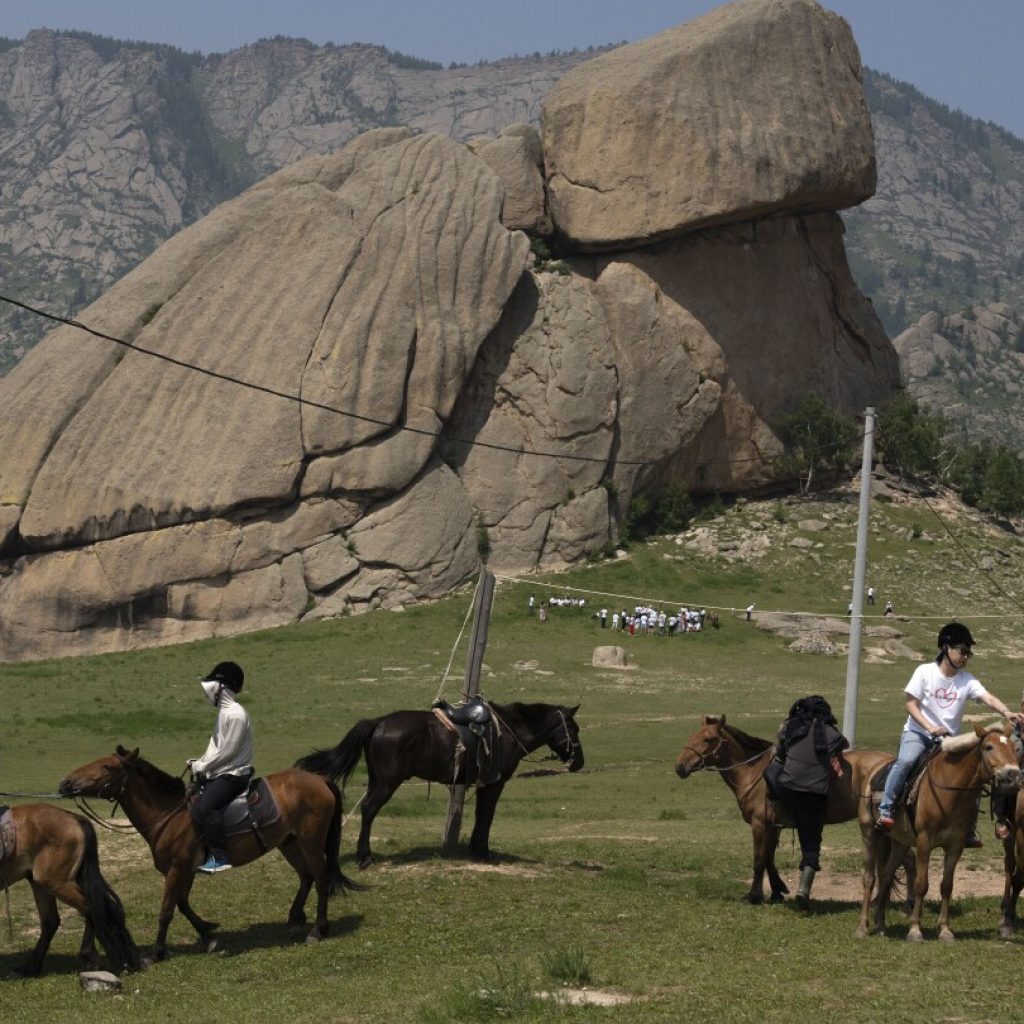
621,879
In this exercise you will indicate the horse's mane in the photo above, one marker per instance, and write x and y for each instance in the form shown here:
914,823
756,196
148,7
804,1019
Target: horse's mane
158,779
746,740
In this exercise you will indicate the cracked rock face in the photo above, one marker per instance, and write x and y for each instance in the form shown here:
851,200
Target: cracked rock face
456,397
756,108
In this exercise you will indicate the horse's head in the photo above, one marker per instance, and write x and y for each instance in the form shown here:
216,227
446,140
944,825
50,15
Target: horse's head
999,755
565,740
104,777
703,747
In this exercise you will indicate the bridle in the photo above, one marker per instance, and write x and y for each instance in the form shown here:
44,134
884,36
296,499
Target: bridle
703,758
572,746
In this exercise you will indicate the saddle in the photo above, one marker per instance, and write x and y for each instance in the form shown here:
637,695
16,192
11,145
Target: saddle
251,811
908,796
474,724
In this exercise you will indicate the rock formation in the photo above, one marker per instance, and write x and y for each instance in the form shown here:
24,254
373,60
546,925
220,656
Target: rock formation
448,391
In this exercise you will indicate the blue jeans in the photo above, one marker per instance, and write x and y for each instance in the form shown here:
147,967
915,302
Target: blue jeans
913,745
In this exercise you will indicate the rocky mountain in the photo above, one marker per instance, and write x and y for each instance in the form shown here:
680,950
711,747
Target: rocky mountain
352,381
107,148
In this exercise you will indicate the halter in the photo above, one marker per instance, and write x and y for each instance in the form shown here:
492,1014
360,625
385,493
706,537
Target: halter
702,759
571,745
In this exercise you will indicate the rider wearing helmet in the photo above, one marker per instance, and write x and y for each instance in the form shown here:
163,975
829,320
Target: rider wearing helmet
936,696
227,765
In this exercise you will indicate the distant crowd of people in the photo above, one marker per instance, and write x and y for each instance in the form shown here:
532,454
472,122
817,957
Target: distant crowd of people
643,620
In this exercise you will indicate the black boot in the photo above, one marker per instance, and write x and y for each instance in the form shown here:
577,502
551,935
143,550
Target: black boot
803,893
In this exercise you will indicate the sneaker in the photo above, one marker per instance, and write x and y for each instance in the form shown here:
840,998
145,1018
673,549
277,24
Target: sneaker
973,841
214,864
885,822
1002,829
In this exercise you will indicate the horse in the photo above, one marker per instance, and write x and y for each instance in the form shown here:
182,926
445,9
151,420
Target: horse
56,852
307,832
1013,864
943,814
404,744
741,759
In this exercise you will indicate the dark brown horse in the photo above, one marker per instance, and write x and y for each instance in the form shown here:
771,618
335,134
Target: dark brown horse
943,813
1013,863
56,852
308,834
414,743
741,760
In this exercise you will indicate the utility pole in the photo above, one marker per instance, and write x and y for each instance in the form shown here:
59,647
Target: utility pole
474,661
860,561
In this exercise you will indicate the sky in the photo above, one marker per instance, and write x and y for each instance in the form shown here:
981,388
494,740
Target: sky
964,53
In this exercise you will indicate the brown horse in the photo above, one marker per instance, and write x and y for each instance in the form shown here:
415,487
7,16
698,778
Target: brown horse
741,759
308,834
943,814
56,852
1013,863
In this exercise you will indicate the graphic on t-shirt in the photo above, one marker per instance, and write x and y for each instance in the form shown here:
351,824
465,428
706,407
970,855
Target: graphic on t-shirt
945,698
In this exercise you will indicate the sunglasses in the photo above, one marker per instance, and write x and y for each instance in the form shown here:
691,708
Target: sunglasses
963,650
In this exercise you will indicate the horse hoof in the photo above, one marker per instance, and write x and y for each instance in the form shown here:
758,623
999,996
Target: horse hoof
860,933
914,936
364,862
754,899
777,897
209,945
299,921
946,936
312,940
27,970
1006,931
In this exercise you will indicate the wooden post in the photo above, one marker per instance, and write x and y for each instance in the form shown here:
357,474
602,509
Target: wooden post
475,659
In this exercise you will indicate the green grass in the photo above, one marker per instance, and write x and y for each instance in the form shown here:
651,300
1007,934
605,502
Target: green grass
622,873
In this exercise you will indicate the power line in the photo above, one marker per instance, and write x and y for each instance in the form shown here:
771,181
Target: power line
291,397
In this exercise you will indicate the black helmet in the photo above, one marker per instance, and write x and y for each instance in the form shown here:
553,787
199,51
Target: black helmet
954,634
228,673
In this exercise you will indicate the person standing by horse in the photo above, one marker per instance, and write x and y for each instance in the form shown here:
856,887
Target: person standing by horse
809,744
937,693
227,765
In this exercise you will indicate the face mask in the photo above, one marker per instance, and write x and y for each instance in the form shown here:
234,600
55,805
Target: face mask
211,687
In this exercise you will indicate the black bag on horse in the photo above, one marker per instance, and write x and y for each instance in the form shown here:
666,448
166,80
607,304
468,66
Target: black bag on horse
806,714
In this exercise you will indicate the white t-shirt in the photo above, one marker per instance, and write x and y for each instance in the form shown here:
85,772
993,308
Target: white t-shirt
942,698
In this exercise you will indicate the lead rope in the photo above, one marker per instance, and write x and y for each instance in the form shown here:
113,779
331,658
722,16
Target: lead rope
455,647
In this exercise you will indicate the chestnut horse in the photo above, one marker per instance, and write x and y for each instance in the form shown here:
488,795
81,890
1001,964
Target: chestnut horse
414,743
944,812
56,852
308,834
1013,863
741,760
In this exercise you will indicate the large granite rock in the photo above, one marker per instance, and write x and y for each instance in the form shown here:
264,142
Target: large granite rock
755,108
458,394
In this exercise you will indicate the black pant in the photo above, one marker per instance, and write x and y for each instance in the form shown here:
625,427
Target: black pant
809,813
208,807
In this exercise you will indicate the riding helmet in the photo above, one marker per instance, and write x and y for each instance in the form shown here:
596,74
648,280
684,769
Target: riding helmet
228,673
953,634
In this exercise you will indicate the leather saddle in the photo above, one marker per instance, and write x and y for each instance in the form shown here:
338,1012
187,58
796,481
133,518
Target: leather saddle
473,722
909,794
251,811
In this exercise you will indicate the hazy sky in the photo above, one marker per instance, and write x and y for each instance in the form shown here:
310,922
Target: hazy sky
966,53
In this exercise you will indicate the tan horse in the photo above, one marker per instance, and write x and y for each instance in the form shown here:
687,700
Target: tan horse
308,833
943,814
741,759
55,851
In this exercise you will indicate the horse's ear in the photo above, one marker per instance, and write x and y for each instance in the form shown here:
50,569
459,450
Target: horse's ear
134,754
572,711
714,720
980,731
121,752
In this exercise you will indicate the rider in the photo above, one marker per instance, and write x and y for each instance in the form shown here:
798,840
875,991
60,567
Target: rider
936,695
227,764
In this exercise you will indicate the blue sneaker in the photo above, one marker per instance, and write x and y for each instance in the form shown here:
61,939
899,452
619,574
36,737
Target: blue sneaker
214,864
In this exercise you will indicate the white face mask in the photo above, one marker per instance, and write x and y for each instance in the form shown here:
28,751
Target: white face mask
212,688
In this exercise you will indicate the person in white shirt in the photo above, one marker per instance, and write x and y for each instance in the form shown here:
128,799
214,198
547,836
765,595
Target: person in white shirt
227,764
937,694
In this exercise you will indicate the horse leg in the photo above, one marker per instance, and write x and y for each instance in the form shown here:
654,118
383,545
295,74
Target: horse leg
871,840
759,830
204,929
778,886
291,853
87,955
377,795
920,889
1014,873
946,891
49,922
177,884
486,802
885,880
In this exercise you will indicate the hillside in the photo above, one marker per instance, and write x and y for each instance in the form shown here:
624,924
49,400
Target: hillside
108,148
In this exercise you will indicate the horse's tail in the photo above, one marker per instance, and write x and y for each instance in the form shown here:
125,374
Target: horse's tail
338,881
339,762
105,909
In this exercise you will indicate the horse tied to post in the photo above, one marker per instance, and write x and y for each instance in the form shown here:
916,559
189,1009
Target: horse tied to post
741,760
307,831
405,744
56,852
943,813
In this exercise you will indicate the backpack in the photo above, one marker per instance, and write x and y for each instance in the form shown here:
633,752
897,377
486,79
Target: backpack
802,716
